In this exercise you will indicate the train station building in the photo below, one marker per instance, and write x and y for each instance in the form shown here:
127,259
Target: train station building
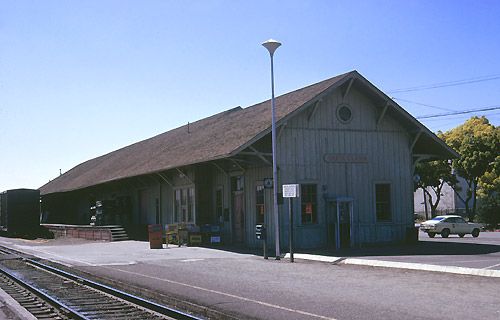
351,148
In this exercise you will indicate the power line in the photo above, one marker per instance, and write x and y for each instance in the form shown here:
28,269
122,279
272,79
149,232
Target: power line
422,104
458,112
447,84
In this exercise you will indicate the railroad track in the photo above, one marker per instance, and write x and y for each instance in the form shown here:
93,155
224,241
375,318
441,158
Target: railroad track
51,293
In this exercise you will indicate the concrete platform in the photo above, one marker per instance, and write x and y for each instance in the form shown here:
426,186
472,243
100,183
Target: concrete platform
244,285
10,309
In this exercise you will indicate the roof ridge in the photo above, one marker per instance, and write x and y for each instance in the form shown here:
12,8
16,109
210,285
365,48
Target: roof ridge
208,138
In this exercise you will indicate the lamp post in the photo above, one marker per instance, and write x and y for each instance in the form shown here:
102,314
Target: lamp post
271,45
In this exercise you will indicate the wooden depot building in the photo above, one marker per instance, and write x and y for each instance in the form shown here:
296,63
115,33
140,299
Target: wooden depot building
351,148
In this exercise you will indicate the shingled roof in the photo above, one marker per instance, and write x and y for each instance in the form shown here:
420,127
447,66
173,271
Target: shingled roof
216,137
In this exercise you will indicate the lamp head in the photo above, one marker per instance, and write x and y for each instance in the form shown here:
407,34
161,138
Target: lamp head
271,45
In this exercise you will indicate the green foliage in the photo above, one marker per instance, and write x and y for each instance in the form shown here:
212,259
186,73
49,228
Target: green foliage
489,193
489,183
489,211
433,175
478,143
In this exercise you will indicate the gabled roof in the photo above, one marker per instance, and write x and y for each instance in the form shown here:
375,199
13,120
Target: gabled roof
216,137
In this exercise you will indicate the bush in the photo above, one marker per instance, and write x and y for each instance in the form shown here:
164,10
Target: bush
489,212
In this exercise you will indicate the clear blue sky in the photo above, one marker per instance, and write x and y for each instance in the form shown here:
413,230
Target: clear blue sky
82,78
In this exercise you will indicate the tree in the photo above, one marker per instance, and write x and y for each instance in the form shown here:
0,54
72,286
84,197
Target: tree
433,175
489,194
477,142
489,183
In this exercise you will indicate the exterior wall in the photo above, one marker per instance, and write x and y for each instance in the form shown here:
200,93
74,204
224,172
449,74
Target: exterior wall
255,177
301,152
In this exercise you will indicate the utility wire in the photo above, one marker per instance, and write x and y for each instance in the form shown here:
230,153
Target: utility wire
447,84
422,104
458,112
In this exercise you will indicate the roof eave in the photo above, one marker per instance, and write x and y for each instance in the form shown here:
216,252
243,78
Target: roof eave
451,153
347,77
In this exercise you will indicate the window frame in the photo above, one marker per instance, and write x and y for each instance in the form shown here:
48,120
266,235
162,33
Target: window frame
314,215
383,219
219,210
186,193
259,188
338,113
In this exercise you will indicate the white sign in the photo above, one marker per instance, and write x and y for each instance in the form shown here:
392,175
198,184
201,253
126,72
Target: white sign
291,190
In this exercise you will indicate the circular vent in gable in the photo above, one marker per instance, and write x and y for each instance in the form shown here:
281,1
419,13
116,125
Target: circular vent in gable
344,113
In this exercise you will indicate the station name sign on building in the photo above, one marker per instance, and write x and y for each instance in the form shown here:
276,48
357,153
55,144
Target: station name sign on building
345,158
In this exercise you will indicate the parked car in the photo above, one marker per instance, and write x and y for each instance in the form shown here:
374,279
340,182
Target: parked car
450,224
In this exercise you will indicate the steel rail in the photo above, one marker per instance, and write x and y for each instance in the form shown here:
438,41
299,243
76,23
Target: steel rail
68,310
164,310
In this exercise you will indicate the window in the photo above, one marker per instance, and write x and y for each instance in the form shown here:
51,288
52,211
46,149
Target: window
383,202
344,113
219,203
259,203
184,210
460,220
190,205
309,203
157,203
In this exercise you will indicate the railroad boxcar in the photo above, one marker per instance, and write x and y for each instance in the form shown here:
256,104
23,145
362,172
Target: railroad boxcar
20,211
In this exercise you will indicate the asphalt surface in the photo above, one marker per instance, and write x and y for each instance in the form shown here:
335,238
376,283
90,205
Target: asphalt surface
468,252
246,286
482,253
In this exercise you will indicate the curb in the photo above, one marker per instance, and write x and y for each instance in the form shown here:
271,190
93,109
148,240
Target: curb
423,267
398,265
314,257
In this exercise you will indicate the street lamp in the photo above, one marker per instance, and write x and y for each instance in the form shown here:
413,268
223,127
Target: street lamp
271,45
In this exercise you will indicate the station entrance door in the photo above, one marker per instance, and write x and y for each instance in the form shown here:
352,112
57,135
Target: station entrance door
340,223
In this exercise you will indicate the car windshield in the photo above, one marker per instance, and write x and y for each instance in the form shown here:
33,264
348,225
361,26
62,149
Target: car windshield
437,219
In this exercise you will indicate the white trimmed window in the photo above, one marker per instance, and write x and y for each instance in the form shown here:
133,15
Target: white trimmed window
184,208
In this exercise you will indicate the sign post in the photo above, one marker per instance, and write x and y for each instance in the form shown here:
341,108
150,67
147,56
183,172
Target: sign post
290,191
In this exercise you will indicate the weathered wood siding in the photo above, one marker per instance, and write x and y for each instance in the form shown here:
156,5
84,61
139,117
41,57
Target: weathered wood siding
309,136
255,177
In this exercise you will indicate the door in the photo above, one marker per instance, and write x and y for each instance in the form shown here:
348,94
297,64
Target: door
238,216
461,226
238,209
344,224
143,207
340,223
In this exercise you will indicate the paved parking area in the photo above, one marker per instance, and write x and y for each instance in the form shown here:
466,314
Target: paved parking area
468,252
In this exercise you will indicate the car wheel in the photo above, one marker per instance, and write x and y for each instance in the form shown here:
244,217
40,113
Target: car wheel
445,233
461,235
431,235
475,233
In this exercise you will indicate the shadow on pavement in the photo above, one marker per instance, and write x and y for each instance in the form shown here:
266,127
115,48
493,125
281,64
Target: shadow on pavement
420,248
427,248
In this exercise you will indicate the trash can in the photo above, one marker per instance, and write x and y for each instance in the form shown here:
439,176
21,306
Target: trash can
155,236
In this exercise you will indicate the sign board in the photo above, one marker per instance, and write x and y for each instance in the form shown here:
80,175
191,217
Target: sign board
268,183
291,190
345,158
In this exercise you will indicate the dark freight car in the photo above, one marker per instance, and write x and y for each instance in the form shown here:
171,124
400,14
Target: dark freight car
20,211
